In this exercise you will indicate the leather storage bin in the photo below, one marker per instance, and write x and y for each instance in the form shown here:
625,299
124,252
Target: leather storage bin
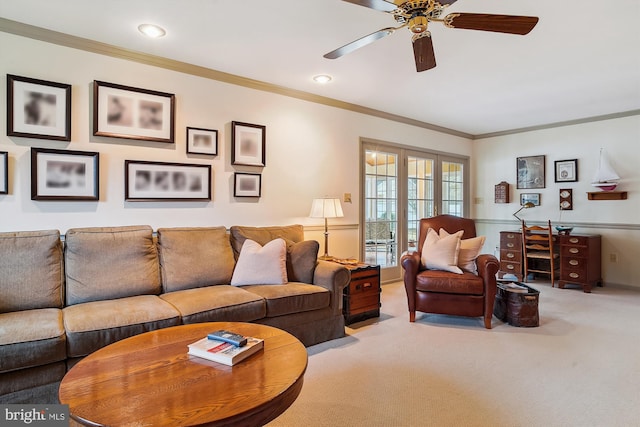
517,308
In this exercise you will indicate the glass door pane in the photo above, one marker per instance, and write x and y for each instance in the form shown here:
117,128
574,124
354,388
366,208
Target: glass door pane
452,188
420,195
381,208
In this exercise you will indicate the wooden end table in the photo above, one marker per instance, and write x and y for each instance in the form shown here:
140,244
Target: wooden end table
361,297
149,379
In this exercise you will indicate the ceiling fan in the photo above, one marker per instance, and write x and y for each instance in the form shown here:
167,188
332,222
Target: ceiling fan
416,15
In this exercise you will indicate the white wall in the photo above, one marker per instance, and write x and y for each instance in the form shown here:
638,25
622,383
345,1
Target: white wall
618,221
312,149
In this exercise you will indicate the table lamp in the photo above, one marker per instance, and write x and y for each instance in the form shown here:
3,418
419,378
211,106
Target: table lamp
525,206
326,207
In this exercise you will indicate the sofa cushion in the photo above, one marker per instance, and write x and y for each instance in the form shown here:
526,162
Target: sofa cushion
194,257
217,304
104,263
263,235
93,325
446,282
302,254
31,338
291,298
31,271
302,258
258,264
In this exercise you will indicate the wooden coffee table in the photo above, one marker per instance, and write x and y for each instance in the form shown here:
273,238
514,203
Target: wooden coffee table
149,379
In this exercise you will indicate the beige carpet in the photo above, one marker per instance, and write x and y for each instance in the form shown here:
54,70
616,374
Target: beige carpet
580,367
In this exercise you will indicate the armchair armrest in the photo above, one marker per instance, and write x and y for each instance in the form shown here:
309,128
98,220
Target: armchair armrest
334,277
488,267
411,264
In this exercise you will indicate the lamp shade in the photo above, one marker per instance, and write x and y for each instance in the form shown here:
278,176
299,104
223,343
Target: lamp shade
326,208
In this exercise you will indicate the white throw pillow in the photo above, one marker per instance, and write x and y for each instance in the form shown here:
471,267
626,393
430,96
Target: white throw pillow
261,265
469,251
441,253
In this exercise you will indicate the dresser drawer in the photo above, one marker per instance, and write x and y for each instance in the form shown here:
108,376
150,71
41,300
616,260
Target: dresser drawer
574,275
510,241
510,256
510,267
574,252
355,304
574,240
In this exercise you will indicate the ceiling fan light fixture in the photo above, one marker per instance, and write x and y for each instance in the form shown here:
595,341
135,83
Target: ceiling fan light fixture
322,78
152,31
418,24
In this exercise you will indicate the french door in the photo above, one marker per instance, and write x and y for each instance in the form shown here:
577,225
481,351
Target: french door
400,185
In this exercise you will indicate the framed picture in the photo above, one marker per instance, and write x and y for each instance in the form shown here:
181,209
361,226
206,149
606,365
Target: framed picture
530,171
132,113
38,108
149,181
247,184
4,172
566,170
530,198
202,141
64,174
248,144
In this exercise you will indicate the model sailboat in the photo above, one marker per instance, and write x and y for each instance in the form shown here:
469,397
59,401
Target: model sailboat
606,177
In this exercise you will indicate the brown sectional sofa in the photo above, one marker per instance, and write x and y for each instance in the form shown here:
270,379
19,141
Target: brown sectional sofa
63,298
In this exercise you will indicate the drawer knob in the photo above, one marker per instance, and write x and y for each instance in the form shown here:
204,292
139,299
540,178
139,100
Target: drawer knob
573,240
510,245
574,250
510,255
573,262
511,236
510,267
574,275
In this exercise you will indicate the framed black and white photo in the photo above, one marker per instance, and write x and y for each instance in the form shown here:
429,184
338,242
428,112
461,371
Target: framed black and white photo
247,184
4,172
530,198
566,170
248,144
128,112
150,181
38,108
530,172
202,141
64,174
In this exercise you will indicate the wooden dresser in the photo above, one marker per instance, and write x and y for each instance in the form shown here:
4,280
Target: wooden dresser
580,260
511,254
361,298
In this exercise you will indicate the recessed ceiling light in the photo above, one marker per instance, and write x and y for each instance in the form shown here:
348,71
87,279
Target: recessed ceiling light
151,30
322,78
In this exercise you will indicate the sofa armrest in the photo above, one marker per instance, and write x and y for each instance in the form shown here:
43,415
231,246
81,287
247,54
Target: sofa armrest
334,277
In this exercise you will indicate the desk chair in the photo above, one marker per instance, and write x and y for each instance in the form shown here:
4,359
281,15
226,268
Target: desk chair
538,251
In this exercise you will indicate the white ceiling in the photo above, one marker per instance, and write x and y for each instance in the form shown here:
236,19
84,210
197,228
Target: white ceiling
582,60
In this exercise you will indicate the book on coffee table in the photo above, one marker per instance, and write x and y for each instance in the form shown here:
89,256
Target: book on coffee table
223,352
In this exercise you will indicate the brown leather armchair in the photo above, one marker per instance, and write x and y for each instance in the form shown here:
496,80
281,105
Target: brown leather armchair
443,292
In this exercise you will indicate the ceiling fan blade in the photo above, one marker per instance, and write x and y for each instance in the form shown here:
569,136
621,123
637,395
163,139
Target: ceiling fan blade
357,44
496,23
381,5
423,53
446,2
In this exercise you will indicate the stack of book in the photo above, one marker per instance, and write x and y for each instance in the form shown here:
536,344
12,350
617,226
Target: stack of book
225,352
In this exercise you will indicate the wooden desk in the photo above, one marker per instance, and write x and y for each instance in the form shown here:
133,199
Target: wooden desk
149,379
580,258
